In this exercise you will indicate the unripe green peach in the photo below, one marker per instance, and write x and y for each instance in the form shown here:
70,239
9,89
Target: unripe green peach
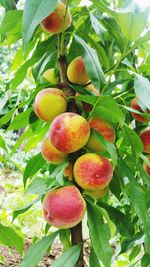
52,154
105,129
145,137
146,167
138,117
69,132
76,71
92,172
49,103
50,76
64,207
54,22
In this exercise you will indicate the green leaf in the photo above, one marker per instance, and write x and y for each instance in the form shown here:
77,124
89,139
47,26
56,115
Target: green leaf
93,261
91,61
136,250
10,20
37,186
110,148
34,13
132,24
37,251
100,235
10,238
142,90
145,260
21,120
2,144
33,165
135,142
68,258
107,108
25,208
138,200
7,117
65,239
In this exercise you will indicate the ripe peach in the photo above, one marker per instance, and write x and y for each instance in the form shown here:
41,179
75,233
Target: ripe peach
51,154
91,88
69,132
76,71
134,104
54,22
50,76
146,167
64,207
96,194
105,129
145,137
68,172
92,172
49,103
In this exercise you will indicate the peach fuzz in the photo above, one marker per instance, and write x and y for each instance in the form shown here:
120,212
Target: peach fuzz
105,129
146,167
96,194
50,76
94,91
64,207
138,117
68,172
92,172
49,103
76,71
53,23
51,154
69,132
145,137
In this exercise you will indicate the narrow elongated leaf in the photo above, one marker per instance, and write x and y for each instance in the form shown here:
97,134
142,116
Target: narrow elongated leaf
100,235
7,117
107,108
68,258
37,251
10,20
10,238
94,262
34,13
142,89
145,260
21,120
37,186
138,200
135,142
33,165
2,144
25,208
92,63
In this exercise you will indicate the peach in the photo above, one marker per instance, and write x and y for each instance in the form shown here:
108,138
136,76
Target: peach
52,154
68,172
138,117
94,91
105,129
92,172
49,103
145,137
50,76
76,71
64,207
146,167
53,23
69,132
96,194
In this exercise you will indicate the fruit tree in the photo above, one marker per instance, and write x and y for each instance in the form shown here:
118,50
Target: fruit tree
87,114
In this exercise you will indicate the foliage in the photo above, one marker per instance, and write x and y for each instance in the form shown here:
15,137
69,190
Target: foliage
113,39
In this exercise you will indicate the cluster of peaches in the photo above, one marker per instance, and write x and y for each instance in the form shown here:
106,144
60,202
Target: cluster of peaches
69,134
145,134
